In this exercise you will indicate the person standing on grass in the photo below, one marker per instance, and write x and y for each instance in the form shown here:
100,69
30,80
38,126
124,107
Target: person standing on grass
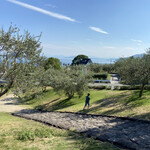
87,101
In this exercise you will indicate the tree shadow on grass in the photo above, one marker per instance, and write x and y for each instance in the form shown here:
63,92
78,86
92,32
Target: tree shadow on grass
56,104
134,97
134,100
110,103
29,100
89,143
123,103
110,112
117,104
145,116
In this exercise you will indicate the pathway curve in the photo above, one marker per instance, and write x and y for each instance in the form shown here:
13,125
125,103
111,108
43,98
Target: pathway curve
9,104
128,133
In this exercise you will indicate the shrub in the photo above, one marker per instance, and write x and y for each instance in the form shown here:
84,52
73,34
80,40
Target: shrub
26,135
147,87
100,76
130,87
116,87
135,87
100,87
108,87
43,133
124,88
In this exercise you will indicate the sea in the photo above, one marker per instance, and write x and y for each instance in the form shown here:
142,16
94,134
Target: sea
68,60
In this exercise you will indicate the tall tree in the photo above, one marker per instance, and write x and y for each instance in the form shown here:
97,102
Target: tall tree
69,82
52,63
78,59
19,56
135,70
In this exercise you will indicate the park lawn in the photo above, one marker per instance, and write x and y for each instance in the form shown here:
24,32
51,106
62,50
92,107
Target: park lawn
42,98
52,101
21,134
124,103
109,76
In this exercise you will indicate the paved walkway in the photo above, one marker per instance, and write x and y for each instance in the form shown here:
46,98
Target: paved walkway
132,134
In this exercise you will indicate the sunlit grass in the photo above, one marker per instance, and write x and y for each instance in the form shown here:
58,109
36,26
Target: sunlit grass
106,102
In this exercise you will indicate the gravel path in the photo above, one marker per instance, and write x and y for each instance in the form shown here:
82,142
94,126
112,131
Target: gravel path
128,133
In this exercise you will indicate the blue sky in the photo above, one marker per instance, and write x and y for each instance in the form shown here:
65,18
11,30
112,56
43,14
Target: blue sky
100,28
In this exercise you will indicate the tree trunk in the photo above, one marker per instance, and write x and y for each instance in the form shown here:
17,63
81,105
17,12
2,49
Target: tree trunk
141,90
7,89
43,88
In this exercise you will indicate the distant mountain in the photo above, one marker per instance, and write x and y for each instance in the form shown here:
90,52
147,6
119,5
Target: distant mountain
138,55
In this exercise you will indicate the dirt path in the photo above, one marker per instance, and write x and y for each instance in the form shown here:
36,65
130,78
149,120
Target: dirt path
8,103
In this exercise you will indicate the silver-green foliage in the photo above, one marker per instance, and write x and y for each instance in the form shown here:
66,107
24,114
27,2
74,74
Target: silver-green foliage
69,81
19,59
135,70
95,68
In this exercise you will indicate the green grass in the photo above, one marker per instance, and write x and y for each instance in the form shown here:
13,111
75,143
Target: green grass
17,133
51,101
20,134
41,98
109,76
106,102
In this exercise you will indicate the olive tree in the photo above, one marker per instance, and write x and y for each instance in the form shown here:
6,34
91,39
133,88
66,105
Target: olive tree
19,58
135,70
68,82
52,63
95,67
109,68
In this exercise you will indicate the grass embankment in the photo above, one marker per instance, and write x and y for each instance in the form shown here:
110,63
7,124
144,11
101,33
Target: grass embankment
20,134
106,102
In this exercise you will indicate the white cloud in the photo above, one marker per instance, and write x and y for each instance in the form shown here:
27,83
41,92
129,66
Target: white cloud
43,11
98,30
138,41
50,5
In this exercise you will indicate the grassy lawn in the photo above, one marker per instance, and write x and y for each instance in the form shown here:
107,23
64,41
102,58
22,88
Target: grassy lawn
109,76
106,102
20,134
17,133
